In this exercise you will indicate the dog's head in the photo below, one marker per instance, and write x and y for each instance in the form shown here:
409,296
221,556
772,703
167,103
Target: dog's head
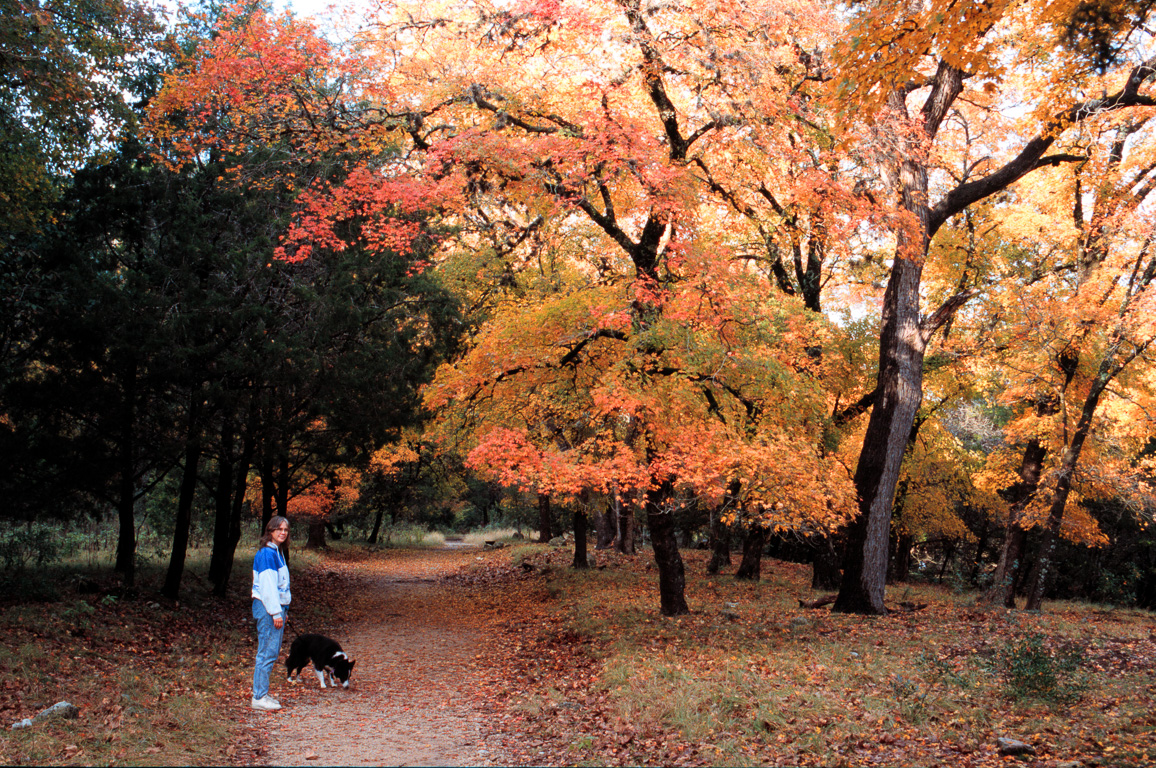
341,667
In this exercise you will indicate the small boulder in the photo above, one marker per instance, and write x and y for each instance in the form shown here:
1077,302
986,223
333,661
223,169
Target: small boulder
59,709
1014,747
798,624
25,723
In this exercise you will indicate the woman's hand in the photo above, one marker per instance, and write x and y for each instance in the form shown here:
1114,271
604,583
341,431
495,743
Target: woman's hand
278,622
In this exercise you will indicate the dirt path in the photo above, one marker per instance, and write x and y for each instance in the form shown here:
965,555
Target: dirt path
413,699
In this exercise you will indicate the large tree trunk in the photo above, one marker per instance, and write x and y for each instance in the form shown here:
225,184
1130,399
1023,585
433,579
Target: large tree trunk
172,586
754,540
544,525
580,560
900,385
671,571
902,343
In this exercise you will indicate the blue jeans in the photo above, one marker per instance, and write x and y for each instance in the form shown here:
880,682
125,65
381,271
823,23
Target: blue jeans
268,647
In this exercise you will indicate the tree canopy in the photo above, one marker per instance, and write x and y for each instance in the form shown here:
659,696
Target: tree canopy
873,273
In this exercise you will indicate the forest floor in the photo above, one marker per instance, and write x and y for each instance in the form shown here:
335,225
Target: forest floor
511,657
429,658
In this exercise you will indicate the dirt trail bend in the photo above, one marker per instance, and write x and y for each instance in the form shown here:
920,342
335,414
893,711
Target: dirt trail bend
417,642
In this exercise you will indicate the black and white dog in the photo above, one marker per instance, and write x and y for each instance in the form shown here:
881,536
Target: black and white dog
326,655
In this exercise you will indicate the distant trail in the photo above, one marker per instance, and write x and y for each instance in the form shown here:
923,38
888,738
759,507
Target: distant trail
413,696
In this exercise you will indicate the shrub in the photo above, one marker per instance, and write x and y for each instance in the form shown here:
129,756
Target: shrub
1032,670
34,544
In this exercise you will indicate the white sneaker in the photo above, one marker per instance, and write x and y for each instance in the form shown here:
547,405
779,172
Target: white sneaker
266,703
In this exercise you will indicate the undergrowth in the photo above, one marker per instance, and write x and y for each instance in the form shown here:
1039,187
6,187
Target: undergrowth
750,676
157,682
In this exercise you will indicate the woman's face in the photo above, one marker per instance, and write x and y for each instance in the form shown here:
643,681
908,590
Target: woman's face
280,533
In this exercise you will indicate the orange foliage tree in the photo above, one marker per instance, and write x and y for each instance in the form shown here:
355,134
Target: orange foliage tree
649,146
925,77
318,504
1075,337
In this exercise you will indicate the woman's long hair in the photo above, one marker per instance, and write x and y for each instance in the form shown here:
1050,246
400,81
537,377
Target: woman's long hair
274,523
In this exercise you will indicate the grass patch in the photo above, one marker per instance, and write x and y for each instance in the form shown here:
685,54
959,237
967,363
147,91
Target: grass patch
503,535
406,536
750,677
151,678
157,682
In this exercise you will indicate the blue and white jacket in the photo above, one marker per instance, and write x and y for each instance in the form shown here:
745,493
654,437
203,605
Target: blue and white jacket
271,579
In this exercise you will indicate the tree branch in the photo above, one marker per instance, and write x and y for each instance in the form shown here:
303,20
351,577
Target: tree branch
945,312
1032,154
601,333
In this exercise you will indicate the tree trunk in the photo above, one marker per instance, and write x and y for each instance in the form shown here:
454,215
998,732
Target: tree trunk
900,385
901,560
720,543
1002,589
949,548
126,491
604,526
671,571
221,563
376,525
754,540
172,586
580,560
980,546
902,343
241,480
282,484
267,486
624,542
315,525
544,528
1037,583
826,572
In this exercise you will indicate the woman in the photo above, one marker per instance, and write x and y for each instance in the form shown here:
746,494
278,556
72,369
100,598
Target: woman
270,596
